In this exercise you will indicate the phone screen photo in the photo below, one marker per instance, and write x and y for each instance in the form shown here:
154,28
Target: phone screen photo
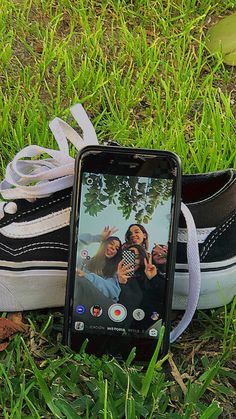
122,249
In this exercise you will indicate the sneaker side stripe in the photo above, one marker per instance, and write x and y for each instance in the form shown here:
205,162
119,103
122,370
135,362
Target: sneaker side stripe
219,231
202,234
223,268
29,246
37,227
33,264
209,267
35,248
38,268
32,210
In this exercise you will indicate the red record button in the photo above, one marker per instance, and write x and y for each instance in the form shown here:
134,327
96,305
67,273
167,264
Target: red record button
117,313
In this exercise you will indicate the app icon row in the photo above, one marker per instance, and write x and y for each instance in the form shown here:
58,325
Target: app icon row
79,326
116,312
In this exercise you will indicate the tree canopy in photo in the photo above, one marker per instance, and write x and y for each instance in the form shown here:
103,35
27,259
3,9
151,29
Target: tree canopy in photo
129,194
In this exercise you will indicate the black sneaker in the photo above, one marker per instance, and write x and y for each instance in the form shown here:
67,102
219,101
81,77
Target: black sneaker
34,223
34,233
211,198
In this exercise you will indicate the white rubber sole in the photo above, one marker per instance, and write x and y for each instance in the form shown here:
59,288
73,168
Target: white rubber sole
40,288
33,289
218,285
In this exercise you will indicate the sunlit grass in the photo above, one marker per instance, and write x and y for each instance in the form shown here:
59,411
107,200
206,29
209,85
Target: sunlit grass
162,88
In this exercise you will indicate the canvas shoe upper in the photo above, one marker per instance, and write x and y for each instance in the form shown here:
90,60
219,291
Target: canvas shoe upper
34,253
34,228
211,198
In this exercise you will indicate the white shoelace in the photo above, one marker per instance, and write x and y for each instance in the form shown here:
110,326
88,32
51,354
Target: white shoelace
57,173
194,275
51,174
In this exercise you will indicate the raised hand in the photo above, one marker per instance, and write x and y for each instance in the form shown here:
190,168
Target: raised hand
107,232
123,271
159,254
150,269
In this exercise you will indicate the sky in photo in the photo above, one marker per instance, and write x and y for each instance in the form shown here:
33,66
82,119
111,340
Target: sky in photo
157,228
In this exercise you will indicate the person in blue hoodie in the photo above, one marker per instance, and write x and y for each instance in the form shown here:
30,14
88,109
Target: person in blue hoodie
101,269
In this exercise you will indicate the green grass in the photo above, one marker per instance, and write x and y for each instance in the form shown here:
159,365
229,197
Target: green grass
41,378
162,89
143,73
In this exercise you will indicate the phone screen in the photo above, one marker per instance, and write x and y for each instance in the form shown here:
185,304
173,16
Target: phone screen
121,248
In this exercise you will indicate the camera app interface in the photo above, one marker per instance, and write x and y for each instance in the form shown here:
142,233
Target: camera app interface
122,248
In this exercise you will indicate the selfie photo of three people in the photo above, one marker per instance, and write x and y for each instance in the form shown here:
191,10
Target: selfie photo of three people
121,265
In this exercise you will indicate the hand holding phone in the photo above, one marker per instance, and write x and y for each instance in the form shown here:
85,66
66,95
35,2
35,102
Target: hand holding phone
123,272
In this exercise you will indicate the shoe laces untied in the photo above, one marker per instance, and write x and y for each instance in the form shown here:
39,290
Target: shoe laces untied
31,179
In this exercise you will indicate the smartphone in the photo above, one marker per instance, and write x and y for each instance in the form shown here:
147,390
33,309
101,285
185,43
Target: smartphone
128,257
123,199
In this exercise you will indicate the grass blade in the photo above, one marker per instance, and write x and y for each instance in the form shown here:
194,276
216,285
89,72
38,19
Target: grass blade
151,367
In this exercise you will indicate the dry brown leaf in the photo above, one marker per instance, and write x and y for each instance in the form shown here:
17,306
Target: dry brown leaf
18,319
3,346
38,47
8,328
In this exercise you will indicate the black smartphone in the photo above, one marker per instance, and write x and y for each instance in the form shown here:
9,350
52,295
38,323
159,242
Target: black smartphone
128,257
123,199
